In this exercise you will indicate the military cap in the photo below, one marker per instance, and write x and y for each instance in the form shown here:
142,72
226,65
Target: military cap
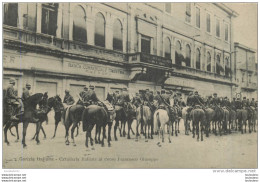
225,97
178,93
244,97
67,91
117,91
28,85
147,89
158,92
91,87
210,97
85,87
196,92
124,89
11,80
215,94
253,98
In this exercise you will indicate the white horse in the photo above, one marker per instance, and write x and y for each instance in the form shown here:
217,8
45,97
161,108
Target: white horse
161,119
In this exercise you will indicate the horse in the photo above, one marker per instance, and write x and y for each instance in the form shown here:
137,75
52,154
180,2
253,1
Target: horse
144,115
253,120
95,115
25,118
72,116
186,119
176,120
226,121
160,119
198,122
233,119
217,120
124,115
242,116
58,110
209,116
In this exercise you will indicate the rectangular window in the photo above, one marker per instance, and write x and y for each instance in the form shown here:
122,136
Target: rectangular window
208,23
188,12
11,14
49,18
243,77
217,28
226,32
198,17
249,78
146,44
168,7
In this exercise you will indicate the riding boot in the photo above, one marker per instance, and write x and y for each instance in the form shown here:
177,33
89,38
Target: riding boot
35,120
14,118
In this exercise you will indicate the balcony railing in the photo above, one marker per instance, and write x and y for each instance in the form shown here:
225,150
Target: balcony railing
200,73
249,85
69,46
141,57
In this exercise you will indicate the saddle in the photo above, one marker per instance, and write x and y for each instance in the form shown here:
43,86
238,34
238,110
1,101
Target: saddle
197,107
108,106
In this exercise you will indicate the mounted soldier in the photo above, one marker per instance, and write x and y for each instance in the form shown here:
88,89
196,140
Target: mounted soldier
26,92
14,105
215,100
82,95
233,104
253,104
123,98
68,99
226,103
197,101
137,101
91,96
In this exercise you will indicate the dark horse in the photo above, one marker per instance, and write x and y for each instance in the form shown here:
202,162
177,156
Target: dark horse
127,114
72,116
96,115
58,110
26,118
198,122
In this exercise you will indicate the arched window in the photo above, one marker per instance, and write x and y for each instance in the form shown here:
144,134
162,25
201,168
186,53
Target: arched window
188,55
100,30
167,48
198,59
79,24
227,67
117,36
208,62
11,14
178,55
218,65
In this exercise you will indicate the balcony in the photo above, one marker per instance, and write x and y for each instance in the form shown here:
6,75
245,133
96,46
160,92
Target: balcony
249,86
141,58
200,74
19,38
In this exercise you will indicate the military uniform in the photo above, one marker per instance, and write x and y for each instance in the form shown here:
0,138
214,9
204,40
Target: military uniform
137,101
26,93
165,97
215,101
123,98
91,97
233,104
190,99
245,103
197,100
68,99
238,104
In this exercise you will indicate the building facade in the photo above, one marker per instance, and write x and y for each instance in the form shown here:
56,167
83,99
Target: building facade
246,72
177,46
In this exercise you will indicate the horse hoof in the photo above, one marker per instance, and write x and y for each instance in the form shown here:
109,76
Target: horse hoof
201,139
151,137
67,143
128,137
38,143
8,144
92,148
24,145
116,139
146,140
44,138
74,145
109,145
178,131
102,145
96,142
16,141
172,134
170,141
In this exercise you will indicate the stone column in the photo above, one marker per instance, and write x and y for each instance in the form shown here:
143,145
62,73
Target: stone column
172,51
39,18
21,7
59,20
139,42
70,22
151,48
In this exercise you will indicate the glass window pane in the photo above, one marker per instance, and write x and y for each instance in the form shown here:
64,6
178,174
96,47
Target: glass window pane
208,62
188,56
146,44
167,48
100,30
11,14
208,22
197,59
117,36
79,25
198,17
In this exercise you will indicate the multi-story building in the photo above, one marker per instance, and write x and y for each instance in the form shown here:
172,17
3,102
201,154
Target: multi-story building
245,71
179,46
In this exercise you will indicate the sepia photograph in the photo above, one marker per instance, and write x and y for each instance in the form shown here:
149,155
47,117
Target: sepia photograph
133,85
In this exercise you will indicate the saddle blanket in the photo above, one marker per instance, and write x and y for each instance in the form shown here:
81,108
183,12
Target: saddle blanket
108,105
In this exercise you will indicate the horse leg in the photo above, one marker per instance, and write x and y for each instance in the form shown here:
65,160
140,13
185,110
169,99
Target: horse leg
88,135
17,133
163,128
25,125
115,127
7,126
99,133
129,122
35,133
201,128
43,132
103,135
124,133
77,131
67,136
72,132
193,129
137,133
96,133
38,129
56,126
145,132
109,133
10,129
178,126
198,131
169,136
176,131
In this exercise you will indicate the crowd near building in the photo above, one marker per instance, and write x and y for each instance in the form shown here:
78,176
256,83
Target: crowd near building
178,46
